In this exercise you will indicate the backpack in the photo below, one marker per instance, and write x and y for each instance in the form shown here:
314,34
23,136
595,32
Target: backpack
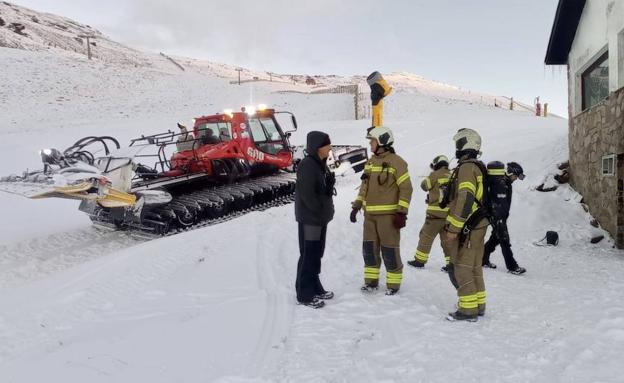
484,210
551,238
448,189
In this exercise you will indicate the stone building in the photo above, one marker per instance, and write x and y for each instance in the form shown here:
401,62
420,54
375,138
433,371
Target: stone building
588,37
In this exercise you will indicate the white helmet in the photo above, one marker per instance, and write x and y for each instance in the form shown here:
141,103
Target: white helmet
439,159
467,139
382,134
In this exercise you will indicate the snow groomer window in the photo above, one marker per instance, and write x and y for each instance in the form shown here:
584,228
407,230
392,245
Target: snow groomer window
608,165
265,135
595,82
215,132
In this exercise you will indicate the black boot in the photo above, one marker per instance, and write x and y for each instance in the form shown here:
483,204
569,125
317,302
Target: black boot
315,303
459,316
369,288
325,295
416,263
518,270
489,264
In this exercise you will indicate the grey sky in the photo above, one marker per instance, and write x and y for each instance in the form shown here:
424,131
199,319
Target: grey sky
492,46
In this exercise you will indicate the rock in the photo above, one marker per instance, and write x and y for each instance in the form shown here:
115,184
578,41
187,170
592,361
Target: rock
584,206
597,239
564,165
59,26
2,23
563,178
17,28
594,223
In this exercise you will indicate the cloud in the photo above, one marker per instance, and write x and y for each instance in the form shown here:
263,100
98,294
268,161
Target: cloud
262,34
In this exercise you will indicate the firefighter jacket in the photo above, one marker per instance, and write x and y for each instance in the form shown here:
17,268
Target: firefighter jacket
386,187
466,194
435,184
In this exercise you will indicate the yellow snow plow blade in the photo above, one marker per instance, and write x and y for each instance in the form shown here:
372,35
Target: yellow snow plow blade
116,198
107,197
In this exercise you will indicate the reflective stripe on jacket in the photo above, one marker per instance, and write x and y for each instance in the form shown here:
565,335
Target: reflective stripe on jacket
432,185
467,191
386,186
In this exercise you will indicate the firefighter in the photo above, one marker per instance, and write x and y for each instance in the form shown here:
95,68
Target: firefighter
435,220
466,227
385,195
314,208
500,194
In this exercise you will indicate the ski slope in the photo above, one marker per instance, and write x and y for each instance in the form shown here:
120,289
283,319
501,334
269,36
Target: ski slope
217,304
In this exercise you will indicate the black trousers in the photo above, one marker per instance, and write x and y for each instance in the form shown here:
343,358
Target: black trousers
311,248
500,236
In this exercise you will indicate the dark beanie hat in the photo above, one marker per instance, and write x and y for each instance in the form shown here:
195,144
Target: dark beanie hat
316,140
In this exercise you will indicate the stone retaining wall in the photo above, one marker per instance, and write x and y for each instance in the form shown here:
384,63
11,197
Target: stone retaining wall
593,134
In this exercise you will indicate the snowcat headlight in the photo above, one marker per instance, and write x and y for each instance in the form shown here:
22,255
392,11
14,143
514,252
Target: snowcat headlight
250,110
229,112
262,107
50,156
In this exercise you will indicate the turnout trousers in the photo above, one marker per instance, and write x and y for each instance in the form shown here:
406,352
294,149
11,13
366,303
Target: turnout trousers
382,241
466,272
432,227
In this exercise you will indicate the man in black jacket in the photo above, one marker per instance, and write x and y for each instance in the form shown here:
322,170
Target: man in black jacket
314,208
500,193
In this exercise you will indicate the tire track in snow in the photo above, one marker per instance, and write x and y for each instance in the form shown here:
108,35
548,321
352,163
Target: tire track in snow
82,300
278,311
33,259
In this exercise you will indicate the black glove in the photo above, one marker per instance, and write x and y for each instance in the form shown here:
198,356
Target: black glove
353,216
399,220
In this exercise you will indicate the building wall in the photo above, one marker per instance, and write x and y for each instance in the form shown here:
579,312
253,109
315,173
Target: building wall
600,28
619,236
594,133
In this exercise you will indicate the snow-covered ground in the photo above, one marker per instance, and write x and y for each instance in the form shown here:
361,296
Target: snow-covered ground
78,304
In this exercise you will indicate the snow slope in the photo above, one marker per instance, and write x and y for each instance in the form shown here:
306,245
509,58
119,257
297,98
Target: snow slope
217,304
62,36
206,306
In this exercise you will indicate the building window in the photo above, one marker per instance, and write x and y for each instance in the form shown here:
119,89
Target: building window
608,165
595,82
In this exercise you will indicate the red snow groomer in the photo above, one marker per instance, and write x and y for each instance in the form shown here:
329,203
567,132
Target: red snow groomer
230,163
